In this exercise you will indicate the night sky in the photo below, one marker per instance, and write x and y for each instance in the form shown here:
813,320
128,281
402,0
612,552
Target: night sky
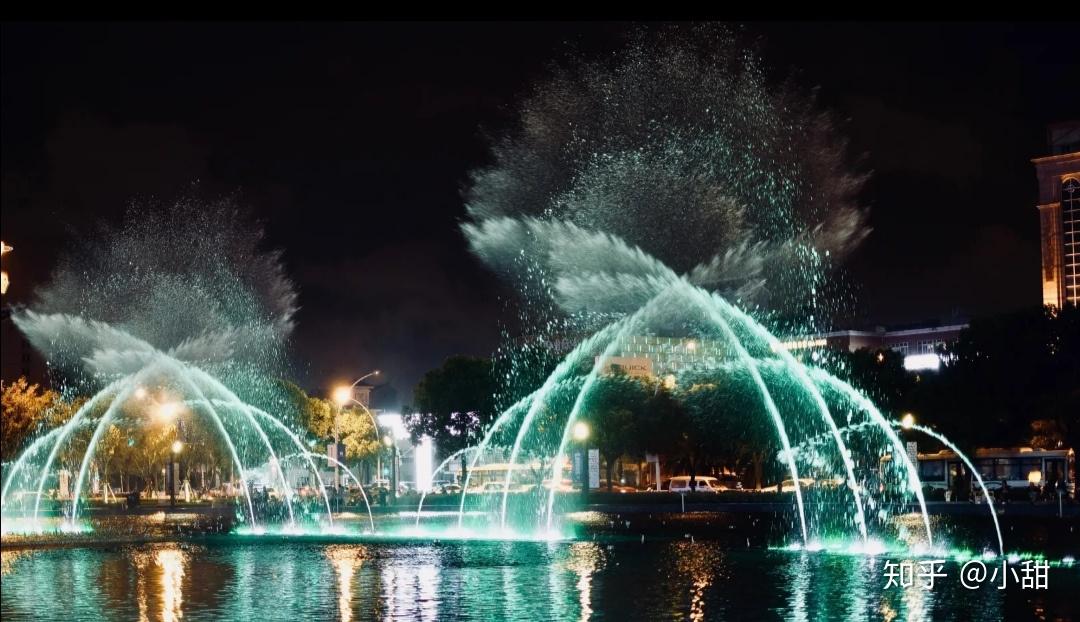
352,142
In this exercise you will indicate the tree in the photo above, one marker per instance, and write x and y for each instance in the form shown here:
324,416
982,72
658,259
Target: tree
150,446
727,421
359,435
664,426
879,373
1004,375
454,403
313,415
322,418
613,409
28,409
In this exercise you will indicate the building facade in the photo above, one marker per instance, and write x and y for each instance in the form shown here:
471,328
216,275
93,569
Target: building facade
1059,215
653,356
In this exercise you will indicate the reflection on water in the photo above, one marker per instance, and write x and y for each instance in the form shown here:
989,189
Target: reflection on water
9,557
345,559
157,573
585,557
265,581
171,563
702,566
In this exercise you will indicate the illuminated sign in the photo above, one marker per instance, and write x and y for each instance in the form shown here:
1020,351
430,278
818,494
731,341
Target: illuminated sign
631,366
802,344
922,362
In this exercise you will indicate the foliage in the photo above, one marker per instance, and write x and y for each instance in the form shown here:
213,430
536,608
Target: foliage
1006,377
27,410
454,403
613,409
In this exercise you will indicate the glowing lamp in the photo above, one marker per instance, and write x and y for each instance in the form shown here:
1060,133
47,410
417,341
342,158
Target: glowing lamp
177,447
581,431
342,395
1035,477
907,421
169,410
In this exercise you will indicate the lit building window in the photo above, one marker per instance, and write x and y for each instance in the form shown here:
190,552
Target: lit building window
1070,228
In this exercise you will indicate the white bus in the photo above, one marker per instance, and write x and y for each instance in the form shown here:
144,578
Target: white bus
1020,467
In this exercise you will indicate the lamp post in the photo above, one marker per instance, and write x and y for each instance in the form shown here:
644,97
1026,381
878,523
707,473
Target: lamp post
343,395
581,435
177,447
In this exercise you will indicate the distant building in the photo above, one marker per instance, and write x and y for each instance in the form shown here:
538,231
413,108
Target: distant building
922,340
653,356
919,345
361,392
1059,215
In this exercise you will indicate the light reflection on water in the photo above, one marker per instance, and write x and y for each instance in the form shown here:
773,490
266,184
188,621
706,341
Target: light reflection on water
345,559
289,580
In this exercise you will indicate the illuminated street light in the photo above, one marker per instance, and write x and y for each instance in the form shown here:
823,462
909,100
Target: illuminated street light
169,410
342,395
387,440
581,431
177,447
140,393
907,421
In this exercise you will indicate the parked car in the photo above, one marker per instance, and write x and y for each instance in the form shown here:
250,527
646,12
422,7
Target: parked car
789,486
729,482
438,487
681,483
493,487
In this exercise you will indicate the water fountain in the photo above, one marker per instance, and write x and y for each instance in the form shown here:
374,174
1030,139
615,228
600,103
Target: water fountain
168,321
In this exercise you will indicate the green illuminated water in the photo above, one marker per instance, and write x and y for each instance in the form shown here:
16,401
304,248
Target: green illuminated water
263,579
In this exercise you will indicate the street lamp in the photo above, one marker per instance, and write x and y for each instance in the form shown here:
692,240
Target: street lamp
907,421
581,436
581,431
343,396
168,411
177,447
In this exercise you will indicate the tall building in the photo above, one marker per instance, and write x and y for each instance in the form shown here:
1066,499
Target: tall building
1059,215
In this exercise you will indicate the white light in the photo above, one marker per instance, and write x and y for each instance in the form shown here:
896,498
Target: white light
343,395
395,423
920,362
168,411
423,458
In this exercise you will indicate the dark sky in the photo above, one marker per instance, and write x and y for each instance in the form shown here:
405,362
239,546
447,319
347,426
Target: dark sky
352,142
